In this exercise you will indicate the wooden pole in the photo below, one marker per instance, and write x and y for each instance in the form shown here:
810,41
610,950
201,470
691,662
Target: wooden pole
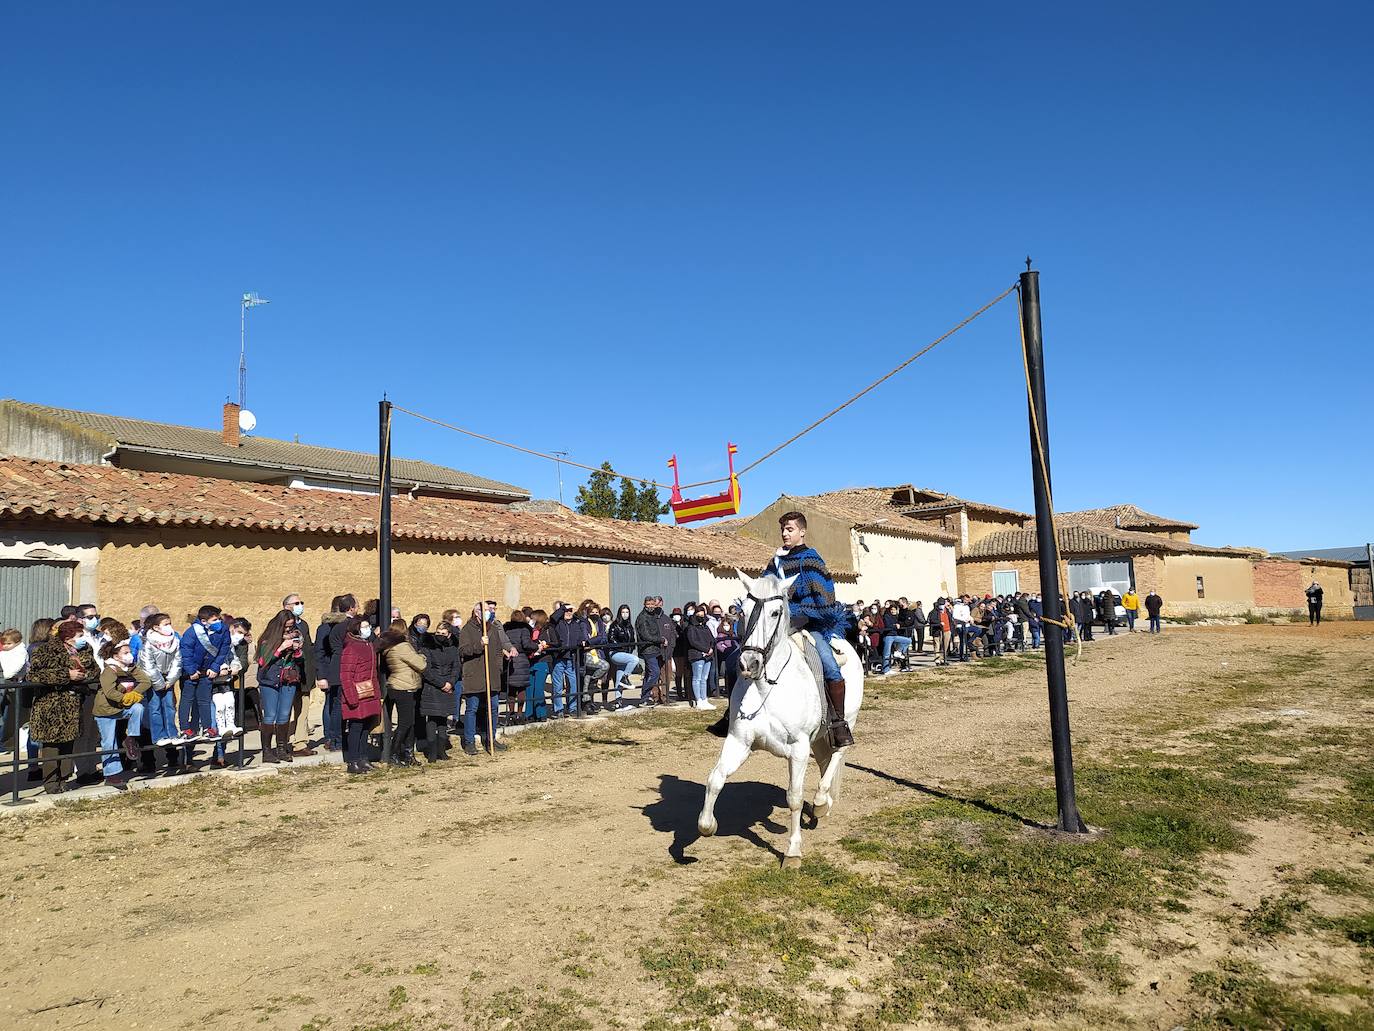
486,675
1047,546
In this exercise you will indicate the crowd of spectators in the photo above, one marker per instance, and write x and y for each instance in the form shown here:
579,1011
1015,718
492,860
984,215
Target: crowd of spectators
960,629
103,696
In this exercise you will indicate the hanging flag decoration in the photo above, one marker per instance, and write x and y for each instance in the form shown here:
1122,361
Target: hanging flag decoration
712,506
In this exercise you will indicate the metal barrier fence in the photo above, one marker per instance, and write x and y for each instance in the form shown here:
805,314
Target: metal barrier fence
580,699
14,692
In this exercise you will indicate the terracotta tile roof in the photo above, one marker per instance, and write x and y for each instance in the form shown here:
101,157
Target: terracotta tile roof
935,501
288,456
869,508
1121,517
1087,539
111,496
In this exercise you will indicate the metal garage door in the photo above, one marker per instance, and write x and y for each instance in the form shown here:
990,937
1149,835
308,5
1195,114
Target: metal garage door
31,590
1095,575
630,582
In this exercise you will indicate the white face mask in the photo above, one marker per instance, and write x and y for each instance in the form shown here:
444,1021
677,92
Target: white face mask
236,638
364,631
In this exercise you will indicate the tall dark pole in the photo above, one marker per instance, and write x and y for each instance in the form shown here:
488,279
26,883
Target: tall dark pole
384,547
1069,820
384,521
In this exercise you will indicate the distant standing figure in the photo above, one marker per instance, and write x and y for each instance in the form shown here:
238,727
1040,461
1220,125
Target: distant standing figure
1154,604
1314,604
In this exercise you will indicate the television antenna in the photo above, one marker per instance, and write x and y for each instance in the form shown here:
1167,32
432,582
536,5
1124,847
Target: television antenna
249,301
558,462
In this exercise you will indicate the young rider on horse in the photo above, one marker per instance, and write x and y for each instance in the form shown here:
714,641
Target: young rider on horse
814,609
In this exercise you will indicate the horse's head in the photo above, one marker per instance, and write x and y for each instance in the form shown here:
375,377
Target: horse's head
766,621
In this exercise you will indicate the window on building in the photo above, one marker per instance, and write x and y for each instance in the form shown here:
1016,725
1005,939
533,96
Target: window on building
1200,592
1005,581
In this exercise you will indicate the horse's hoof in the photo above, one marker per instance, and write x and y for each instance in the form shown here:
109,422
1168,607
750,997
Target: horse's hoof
791,862
820,810
706,827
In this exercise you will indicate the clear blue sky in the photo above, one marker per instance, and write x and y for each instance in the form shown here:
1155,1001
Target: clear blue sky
633,229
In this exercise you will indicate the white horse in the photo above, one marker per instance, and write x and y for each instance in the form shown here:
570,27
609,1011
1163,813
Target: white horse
779,706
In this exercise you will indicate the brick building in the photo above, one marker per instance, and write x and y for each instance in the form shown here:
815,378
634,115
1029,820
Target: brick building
874,544
123,538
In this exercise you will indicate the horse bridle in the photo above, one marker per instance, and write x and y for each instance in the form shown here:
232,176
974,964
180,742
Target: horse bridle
767,650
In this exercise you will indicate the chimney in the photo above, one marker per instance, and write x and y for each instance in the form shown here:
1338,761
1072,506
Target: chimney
230,435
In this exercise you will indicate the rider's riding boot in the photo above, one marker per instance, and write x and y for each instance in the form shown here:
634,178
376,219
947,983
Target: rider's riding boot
840,736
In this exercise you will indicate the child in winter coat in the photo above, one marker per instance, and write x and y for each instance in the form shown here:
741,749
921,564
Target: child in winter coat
225,696
123,686
13,655
159,656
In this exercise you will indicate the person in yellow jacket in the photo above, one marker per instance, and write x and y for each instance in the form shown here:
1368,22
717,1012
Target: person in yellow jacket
1130,601
123,686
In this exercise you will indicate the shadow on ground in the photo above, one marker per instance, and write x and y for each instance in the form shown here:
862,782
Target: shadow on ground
934,792
742,806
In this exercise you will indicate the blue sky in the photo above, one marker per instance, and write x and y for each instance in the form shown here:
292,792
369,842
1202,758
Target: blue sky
627,230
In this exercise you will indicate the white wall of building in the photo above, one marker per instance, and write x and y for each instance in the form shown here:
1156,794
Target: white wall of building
896,567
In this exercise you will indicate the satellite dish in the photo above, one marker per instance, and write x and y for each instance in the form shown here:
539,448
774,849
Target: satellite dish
247,421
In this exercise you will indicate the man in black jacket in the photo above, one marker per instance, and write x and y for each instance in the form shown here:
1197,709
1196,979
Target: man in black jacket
1314,604
329,642
650,634
668,633
1106,608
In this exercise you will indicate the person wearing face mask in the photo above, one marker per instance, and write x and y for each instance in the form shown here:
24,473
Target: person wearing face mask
281,668
941,627
88,740
123,686
329,642
56,665
596,669
224,694
620,636
443,666
567,633
206,653
360,704
404,665
483,658
307,708
160,658
682,662
701,643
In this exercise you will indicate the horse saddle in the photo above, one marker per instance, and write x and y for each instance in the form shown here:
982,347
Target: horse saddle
807,644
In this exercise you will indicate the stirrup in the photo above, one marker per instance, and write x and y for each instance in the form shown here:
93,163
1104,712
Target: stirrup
840,734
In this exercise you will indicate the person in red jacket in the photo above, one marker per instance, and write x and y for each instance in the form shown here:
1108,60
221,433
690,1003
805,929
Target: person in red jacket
359,691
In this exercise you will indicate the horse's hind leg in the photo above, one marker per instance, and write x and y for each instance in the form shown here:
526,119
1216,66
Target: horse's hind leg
829,788
796,784
732,756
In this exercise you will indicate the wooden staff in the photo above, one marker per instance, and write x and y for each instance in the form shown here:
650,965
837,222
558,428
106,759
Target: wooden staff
486,675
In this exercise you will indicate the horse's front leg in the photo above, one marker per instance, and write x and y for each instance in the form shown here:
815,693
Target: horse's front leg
796,783
732,756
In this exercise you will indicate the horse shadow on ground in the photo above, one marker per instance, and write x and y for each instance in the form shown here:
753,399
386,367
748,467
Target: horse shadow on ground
934,792
742,806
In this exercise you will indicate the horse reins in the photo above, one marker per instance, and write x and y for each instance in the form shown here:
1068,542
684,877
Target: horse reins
764,652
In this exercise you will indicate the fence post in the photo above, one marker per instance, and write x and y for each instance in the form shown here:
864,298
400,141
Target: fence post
242,714
15,706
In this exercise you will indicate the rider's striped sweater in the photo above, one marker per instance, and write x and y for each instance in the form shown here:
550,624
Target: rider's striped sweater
812,604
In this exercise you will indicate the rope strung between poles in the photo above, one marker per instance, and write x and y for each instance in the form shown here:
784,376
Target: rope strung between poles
1049,496
757,462
876,383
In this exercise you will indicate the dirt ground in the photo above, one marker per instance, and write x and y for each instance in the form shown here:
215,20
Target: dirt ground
422,899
